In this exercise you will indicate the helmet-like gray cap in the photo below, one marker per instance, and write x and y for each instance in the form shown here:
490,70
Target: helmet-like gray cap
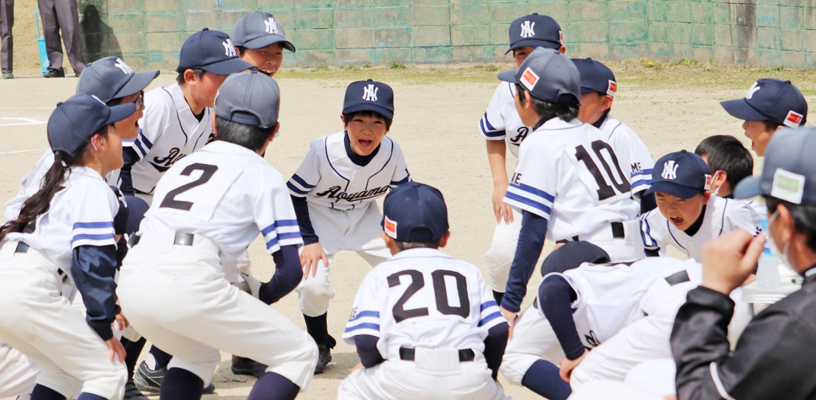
549,75
249,98
259,29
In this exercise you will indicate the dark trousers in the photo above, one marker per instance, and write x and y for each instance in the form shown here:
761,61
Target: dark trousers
61,15
6,40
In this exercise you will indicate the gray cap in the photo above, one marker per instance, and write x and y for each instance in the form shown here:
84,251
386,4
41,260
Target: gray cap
549,75
110,78
789,172
249,98
259,29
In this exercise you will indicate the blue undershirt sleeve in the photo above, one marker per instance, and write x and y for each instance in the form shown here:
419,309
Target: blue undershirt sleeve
288,275
495,343
555,297
93,269
304,221
531,241
367,350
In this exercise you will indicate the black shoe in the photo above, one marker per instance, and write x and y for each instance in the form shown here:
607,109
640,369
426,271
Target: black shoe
245,366
150,381
54,73
8,75
323,359
132,392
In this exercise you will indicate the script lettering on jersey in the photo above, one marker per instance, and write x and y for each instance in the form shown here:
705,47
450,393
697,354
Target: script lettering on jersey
522,133
636,168
516,178
335,193
592,339
162,164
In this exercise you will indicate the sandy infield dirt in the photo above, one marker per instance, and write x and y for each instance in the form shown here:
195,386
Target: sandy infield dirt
436,125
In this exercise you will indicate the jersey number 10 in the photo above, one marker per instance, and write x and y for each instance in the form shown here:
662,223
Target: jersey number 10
605,190
440,294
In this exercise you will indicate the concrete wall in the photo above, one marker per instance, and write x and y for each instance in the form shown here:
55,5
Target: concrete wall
149,33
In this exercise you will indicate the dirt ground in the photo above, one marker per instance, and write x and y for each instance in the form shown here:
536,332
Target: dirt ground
436,125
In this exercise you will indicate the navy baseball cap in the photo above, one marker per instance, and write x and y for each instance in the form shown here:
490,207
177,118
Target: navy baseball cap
681,174
535,31
212,51
770,100
548,75
414,212
110,78
250,99
369,95
259,29
79,118
595,77
789,171
571,255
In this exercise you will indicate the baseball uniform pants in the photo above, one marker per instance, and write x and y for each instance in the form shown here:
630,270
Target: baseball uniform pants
61,15
533,339
18,374
357,230
6,38
627,248
434,374
177,297
503,250
41,323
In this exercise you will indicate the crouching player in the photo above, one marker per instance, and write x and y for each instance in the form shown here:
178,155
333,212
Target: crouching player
207,208
424,323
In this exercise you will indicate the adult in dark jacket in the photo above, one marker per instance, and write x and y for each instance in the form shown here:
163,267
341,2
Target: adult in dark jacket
775,355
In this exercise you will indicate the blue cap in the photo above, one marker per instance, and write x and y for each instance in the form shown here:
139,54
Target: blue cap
595,77
212,51
571,255
770,100
535,31
259,29
548,75
681,174
369,95
414,212
110,78
251,99
80,117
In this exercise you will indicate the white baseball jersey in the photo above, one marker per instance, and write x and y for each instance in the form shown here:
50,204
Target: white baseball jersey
501,120
627,145
570,175
721,216
424,298
227,193
80,215
169,131
327,177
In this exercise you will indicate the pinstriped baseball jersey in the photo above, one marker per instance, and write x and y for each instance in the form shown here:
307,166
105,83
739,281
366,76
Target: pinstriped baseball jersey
327,176
228,194
501,120
424,298
629,146
570,175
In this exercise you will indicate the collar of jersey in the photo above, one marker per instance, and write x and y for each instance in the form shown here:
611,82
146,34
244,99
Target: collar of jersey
558,123
220,146
83,171
420,253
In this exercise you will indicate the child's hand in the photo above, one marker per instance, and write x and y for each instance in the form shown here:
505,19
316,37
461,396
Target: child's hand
310,256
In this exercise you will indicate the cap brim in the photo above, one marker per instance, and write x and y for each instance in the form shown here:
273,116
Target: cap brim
740,109
370,107
137,83
509,75
267,40
227,67
680,191
120,112
534,43
748,187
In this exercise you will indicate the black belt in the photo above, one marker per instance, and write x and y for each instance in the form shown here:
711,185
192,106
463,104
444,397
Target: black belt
181,239
23,247
408,354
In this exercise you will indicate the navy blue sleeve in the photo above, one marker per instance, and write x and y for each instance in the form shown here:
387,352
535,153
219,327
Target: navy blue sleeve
93,269
647,203
555,297
367,350
288,274
652,252
304,221
126,184
495,343
531,241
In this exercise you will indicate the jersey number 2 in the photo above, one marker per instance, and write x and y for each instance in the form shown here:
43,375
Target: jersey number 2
440,294
605,191
207,171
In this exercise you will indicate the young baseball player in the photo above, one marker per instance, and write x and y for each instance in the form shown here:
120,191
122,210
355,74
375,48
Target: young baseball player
769,105
568,183
503,129
64,234
424,323
334,192
209,207
688,216
731,162
260,41
598,88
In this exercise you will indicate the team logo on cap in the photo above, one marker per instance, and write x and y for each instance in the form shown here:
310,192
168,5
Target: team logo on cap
670,170
529,79
229,48
794,119
370,93
122,66
561,36
709,180
527,29
390,227
752,90
612,89
271,26
788,186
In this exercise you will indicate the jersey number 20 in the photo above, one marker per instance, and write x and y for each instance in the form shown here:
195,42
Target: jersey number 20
440,294
605,190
